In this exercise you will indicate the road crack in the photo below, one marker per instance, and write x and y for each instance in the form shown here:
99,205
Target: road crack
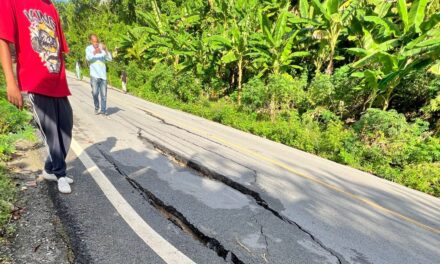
163,121
253,171
214,175
176,217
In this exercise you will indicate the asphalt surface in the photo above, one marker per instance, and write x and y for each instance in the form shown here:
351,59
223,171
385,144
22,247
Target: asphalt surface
220,195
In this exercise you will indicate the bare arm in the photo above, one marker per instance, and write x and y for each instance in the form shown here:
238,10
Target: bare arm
14,94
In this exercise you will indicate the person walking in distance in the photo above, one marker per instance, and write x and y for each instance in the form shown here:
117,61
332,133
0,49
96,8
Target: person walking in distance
97,55
33,27
124,81
78,70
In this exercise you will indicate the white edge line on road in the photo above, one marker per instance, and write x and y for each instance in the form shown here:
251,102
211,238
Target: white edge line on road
157,243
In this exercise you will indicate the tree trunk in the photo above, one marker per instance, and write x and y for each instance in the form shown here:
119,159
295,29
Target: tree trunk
211,4
272,108
157,14
176,62
330,66
392,85
232,79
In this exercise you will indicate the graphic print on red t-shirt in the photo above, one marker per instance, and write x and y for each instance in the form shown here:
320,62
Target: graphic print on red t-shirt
34,27
44,39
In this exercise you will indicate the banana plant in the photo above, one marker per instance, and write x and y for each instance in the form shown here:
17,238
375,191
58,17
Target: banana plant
272,49
334,17
416,46
134,45
233,43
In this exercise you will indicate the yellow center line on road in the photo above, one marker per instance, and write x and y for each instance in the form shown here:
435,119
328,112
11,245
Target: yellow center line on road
286,167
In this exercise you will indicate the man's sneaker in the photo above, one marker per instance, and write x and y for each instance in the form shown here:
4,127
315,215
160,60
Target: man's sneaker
104,113
97,112
64,186
53,177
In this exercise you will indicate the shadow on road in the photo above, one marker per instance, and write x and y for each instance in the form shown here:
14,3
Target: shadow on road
113,110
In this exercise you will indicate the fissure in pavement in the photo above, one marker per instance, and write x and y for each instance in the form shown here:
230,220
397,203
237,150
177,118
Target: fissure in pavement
214,175
177,218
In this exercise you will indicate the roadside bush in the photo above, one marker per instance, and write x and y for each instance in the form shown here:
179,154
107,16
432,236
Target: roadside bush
184,86
333,134
321,91
136,76
215,87
424,177
389,140
349,93
254,94
7,197
7,147
279,93
285,92
161,79
11,120
188,88
414,91
376,123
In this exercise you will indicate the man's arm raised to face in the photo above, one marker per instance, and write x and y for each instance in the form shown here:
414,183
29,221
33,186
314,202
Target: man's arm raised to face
13,92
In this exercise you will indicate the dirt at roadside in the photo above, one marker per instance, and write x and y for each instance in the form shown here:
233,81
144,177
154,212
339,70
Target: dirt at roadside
39,236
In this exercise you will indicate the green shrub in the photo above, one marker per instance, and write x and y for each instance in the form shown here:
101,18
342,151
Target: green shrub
215,87
414,91
254,94
349,93
280,93
137,76
285,91
376,123
7,197
161,79
424,177
7,147
11,120
320,91
389,140
188,87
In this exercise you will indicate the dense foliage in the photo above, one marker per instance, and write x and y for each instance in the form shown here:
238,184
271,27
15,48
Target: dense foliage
354,81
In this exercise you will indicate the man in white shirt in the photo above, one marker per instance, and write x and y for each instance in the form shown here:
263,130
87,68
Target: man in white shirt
97,55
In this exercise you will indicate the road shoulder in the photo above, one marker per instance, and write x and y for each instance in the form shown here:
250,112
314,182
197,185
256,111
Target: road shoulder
39,236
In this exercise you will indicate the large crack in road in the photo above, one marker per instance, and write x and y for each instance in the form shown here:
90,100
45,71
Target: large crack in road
211,174
204,171
177,218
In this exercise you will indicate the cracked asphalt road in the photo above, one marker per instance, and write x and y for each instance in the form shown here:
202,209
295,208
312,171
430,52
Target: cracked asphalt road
220,195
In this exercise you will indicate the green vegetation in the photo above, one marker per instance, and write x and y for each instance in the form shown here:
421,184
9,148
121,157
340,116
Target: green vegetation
354,81
14,125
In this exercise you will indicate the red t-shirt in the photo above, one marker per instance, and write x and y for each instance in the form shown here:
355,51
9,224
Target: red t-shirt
34,27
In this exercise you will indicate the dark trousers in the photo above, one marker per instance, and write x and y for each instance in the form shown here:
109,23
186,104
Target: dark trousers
55,120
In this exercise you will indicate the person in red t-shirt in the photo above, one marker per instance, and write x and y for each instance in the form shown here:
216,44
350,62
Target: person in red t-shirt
33,27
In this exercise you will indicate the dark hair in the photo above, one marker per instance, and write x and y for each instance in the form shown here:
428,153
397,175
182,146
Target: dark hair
92,35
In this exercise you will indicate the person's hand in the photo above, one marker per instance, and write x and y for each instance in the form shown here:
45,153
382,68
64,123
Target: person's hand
96,51
14,96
